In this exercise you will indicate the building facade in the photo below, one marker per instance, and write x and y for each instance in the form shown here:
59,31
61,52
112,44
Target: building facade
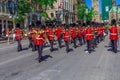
5,20
63,11
114,13
95,6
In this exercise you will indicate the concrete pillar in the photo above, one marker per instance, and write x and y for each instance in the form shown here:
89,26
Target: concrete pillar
6,24
2,25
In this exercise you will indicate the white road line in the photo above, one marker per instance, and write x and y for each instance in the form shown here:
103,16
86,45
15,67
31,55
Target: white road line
18,58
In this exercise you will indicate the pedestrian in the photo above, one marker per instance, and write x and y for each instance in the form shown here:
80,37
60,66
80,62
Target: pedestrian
8,35
13,35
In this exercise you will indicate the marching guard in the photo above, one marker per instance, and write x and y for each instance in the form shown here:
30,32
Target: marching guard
51,39
114,36
89,37
74,35
18,37
58,33
79,34
67,39
40,43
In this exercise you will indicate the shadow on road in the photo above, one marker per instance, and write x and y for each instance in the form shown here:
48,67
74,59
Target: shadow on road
45,57
23,49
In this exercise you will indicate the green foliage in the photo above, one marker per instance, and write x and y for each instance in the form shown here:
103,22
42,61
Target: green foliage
81,12
46,3
44,14
24,7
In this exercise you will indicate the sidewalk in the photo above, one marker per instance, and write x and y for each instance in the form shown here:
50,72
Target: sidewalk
4,39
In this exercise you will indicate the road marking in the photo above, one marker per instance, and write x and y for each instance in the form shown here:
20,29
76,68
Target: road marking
18,58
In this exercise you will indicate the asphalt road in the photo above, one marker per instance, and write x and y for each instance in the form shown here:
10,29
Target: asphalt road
101,64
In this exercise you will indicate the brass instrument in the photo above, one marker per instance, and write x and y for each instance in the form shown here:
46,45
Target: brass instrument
25,33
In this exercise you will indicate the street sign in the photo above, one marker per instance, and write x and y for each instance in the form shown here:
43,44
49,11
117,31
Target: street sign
107,8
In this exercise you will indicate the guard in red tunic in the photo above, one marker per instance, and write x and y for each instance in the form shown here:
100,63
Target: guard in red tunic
89,37
51,38
33,40
114,36
18,34
74,36
29,36
67,39
58,33
79,34
40,43
95,35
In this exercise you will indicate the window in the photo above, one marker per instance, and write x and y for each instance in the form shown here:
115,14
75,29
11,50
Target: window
3,6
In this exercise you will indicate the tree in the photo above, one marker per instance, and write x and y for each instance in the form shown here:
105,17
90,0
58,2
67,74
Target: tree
46,3
24,7
81,12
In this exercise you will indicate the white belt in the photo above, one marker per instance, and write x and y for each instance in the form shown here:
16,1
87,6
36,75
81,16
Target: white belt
39,38
89,34
50,35
113,33
66,36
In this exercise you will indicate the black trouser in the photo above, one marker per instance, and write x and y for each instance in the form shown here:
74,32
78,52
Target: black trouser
84,41
33,46
30,43
51,45
74,42
114,45
95,41
40,50
19,48
59,42
98,38
89,45
67,46
80,40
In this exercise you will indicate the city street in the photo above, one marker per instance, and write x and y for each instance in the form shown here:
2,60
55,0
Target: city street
101,64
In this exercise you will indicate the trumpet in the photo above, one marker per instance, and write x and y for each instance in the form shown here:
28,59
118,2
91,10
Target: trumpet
25,33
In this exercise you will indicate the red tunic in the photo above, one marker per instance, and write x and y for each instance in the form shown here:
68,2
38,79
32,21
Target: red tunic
58,32
18,34
73,33
80,32
88,33
114,33
40,39
50,34
66,36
